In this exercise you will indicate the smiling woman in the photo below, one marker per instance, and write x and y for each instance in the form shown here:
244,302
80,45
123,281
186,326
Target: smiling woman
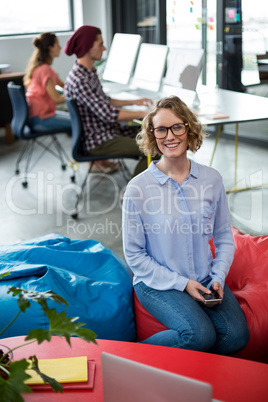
30,16
170,213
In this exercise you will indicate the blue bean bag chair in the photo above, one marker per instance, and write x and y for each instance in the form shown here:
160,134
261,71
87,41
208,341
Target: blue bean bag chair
95,281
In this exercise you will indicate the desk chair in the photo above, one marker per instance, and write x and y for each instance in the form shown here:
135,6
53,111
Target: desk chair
21,129
77,131
262,67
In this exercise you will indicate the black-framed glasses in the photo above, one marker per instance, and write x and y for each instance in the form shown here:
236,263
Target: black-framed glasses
177,129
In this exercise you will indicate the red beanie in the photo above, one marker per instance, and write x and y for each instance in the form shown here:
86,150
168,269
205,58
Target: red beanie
81,41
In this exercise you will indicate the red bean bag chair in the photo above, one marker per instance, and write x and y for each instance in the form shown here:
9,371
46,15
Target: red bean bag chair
248,280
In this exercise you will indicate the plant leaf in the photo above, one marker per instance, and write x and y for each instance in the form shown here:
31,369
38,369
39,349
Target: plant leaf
86,334
15,291
4,274
39,334
55,385
23,303
11,388
60,325
39,297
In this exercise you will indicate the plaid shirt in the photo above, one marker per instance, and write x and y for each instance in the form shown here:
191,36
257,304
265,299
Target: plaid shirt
99,117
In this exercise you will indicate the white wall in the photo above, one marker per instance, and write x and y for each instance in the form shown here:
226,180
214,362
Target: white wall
17,50
98,13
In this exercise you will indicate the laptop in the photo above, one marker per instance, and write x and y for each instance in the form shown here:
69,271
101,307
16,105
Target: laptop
128,381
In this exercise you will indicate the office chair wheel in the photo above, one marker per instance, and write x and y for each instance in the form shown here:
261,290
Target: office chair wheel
63,166
17,171
24,184
74,216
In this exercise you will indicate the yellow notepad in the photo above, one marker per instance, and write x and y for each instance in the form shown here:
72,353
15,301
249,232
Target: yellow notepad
70,369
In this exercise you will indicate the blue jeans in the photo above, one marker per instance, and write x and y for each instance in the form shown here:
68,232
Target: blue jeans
221,329
61,121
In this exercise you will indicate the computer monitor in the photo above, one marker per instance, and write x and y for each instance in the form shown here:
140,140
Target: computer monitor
121,58
150,67
184,67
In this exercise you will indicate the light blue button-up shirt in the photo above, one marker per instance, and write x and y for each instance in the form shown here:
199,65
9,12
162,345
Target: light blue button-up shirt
167,227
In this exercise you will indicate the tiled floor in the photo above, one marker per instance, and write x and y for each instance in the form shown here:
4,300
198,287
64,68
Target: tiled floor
47,204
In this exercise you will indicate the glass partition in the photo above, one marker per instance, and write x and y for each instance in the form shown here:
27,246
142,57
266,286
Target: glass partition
192,25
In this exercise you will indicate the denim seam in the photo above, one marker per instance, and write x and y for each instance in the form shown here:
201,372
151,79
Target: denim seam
165,304
227,332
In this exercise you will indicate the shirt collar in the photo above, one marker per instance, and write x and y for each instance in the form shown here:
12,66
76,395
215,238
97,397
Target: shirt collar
162,178
83,68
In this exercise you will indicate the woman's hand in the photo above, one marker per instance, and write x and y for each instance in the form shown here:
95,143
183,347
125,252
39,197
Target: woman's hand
217,287
143,102
193,288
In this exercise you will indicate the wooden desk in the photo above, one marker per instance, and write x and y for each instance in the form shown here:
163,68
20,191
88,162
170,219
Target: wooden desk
5,104
232,379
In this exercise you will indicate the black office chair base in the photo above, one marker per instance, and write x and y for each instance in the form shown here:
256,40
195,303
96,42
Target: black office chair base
28,150
123,169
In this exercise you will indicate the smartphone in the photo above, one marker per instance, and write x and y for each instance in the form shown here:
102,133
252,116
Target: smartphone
212,297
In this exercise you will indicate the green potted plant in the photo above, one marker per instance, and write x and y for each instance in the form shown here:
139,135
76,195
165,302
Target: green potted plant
13,373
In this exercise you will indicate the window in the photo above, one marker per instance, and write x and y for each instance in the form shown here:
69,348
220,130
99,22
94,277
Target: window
19,17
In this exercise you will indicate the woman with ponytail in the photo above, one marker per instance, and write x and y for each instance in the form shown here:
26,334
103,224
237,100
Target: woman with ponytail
40,80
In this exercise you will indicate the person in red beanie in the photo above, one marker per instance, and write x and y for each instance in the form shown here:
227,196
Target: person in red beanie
100,114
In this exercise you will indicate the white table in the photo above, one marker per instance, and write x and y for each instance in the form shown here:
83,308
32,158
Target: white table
263,61
239,107
217,107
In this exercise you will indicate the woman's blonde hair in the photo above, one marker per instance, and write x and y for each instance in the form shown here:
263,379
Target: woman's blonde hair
146,139
40,55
